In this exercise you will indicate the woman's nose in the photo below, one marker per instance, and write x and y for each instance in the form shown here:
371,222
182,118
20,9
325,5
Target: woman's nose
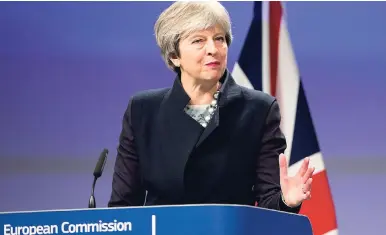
211,47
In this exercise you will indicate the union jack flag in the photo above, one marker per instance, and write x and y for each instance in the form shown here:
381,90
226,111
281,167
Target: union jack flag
267,63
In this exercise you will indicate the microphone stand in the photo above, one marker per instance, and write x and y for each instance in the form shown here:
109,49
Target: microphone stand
97,173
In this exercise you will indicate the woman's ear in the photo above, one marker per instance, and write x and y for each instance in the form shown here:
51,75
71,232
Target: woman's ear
175,60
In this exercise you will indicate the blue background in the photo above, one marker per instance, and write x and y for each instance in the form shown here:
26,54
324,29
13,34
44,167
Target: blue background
67,70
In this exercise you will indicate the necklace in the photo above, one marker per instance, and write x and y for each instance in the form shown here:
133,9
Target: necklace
203,116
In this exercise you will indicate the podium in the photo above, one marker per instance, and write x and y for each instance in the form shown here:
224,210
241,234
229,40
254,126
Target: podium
157,220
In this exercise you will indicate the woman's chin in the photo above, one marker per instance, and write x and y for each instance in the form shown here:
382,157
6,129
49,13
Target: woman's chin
212,75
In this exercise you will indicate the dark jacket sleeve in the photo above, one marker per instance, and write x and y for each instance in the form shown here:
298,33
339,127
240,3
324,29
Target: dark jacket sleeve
267,185
127,189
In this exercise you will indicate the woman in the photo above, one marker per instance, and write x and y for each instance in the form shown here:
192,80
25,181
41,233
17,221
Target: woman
205,139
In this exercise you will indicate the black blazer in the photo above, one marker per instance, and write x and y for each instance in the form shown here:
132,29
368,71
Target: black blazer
166,157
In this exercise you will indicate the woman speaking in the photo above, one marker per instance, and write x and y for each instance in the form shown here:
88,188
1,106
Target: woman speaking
206,139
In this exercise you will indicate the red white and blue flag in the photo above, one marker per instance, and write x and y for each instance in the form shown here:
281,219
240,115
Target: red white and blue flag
267,63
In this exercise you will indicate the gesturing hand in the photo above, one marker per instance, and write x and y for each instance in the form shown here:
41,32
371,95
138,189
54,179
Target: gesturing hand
297,188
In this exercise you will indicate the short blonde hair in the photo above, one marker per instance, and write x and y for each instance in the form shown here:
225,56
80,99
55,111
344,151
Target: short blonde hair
183,18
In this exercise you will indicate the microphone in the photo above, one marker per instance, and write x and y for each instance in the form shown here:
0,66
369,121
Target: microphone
97,173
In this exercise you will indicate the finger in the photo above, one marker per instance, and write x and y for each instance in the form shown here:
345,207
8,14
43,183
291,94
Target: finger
307,186
308,174
283,166
307,196
304,167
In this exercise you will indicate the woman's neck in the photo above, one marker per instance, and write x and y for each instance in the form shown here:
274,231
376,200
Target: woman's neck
199,91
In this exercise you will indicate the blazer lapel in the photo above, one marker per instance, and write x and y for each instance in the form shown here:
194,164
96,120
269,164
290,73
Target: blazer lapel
179,134
229,92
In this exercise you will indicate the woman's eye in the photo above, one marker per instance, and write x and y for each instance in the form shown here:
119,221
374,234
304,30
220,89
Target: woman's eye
197,41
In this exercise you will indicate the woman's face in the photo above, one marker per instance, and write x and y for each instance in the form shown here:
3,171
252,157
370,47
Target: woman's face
203,54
